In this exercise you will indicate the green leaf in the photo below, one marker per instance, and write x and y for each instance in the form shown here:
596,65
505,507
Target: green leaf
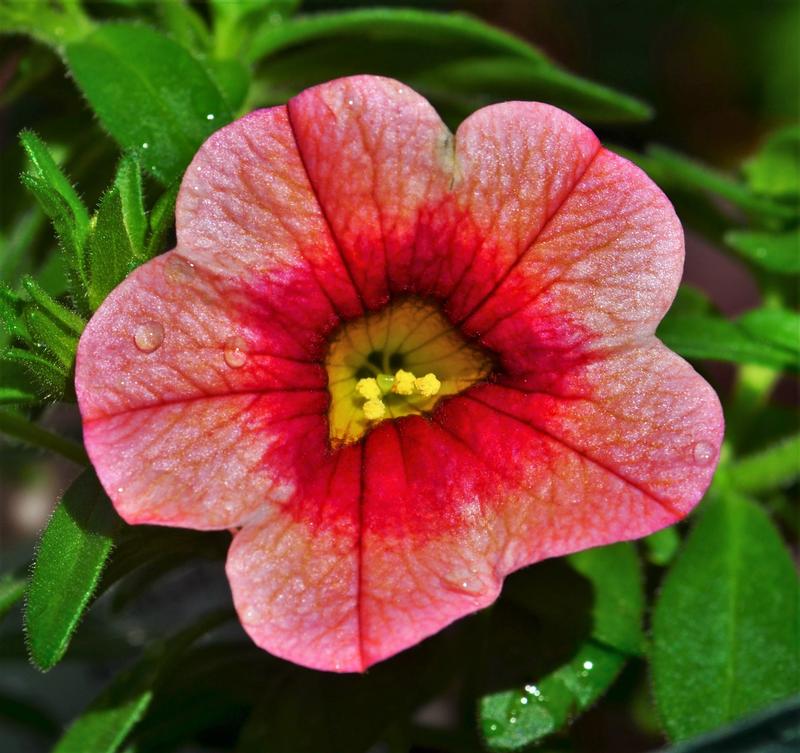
725,626
516,718
780,327
51,382
51,338
60,314
117,239
777,252
775,467
233,80
772,731
17,396
71,555
128,182
61,204
45,169
111,255
683,172
149,92
717,339
470,66
376,25
662,546
11,590
485,80
162,220
618,595
106,723
185,25
775,169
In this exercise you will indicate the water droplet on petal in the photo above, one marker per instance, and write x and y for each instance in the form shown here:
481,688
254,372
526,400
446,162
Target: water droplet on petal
465,581
702,453
235,352
178,271
149,336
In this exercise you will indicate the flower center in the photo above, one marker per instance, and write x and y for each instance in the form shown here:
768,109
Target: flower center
397,362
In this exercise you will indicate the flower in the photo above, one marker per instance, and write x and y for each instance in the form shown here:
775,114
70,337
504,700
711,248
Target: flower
400,364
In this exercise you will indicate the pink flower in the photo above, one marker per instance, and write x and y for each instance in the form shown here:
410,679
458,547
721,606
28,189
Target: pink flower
277,372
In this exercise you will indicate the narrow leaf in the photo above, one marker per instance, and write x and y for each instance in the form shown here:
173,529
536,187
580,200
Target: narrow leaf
516,718
684,172
52,382
149,92
110,251
717,339
777,252
775,169
775,467
494,79
379,24
106,723
726,619
162,220
47,335
61,314
46,170
128,182
11,590
71,555
779,327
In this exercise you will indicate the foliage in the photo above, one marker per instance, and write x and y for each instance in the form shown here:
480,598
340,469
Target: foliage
721,605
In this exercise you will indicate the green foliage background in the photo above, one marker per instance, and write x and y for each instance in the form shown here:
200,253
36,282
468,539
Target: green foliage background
689,638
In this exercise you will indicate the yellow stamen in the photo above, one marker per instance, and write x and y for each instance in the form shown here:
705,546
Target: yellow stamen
403,382
368,389
427,386
374,409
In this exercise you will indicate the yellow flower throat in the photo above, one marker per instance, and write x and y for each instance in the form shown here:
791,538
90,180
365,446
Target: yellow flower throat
397,362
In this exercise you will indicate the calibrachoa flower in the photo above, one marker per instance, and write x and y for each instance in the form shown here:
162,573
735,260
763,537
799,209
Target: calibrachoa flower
401,364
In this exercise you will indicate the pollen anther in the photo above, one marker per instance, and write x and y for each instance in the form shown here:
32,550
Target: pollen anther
374,409
368,388
403,382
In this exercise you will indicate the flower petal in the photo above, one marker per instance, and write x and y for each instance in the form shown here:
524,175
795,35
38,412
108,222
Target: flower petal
193,422
246,209
516,164
295,575
602,272
503,478
380,160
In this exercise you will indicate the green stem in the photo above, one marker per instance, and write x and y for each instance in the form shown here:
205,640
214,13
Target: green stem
26,431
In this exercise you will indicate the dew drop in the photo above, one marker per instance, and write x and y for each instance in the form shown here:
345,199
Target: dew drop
210,116
512,720
588,665
702,453
178,271
145,145
149,336
235,352
524,700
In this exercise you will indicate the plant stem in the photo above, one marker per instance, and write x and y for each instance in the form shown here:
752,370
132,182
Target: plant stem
26,431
